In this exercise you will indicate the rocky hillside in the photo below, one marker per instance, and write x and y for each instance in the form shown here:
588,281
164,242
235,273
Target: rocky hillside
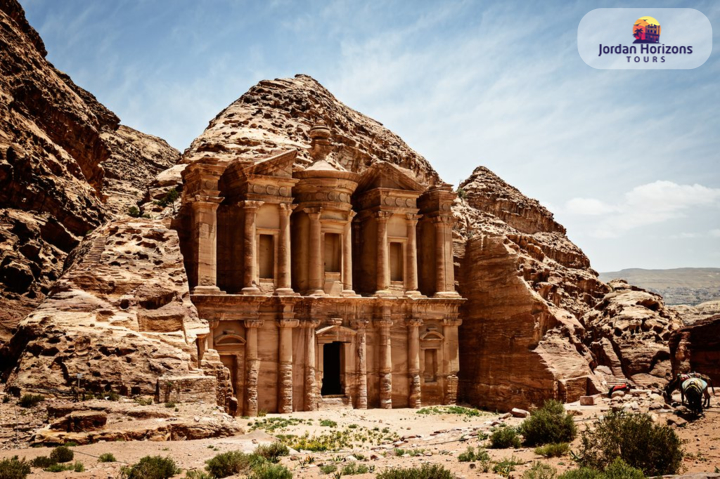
66,166
690,286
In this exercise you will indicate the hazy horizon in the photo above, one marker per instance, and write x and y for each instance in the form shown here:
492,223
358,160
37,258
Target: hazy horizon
626,160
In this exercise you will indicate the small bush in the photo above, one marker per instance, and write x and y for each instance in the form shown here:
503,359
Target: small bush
655,450
272,452
619,469
582,473
42,462
504,437
31,400
197,475
151,467
354,468
107,457
232,462
169,198
328,423
62,454
548,425
553,450
328,468
170,405
470,455
112,396
506,466
540,470
426,471
143,401
134,211
270,471
14,468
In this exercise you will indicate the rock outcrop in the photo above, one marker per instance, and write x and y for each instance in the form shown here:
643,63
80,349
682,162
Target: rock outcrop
628,331
61,154
120,317
696,347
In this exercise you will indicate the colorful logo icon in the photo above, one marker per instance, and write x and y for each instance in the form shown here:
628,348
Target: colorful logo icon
646,30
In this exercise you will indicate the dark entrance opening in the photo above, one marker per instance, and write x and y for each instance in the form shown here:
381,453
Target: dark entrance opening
331,384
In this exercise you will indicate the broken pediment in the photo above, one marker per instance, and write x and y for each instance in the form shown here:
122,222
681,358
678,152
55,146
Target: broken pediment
388,176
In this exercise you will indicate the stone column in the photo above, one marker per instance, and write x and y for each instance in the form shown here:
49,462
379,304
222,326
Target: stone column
383,260
252,362
361,338
250,248
317,273
411,285
347,256
444,272
204,231
311,402
284,268
452,358
285,363
385,361
413,326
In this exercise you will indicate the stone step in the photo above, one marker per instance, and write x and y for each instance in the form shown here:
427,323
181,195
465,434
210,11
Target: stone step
332,403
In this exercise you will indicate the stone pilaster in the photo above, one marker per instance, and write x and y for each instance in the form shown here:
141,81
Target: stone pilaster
311,397
250,249
204,231
411,285
285,373
361,338
252,362
383,259
385,369
284,266
317,273
444,272
451,354
347,256
413,326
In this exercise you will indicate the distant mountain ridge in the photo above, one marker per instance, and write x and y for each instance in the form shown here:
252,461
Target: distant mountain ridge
678,286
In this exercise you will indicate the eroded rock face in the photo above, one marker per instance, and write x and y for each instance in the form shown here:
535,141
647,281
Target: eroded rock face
61,154
629,331
278,114
121,317
697,348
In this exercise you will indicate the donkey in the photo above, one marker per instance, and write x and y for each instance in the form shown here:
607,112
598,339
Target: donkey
679,379
694,387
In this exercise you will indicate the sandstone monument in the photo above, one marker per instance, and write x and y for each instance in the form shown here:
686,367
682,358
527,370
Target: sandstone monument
312,260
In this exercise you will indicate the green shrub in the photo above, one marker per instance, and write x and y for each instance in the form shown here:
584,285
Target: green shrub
14,468
270,471
112,396
232,462
506,466
169,198
197,475
553,450
504,437
354,468
170,404
582,473
151,467
654,449
540,470
470,455
62,454
328,468
31,400
134,211
328,423
107,457
426,471
548,425
272,452
619,469
42,462
143,401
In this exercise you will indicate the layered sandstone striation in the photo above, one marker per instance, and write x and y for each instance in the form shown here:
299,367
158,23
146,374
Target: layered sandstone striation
120,317
278,115
62,153
527,286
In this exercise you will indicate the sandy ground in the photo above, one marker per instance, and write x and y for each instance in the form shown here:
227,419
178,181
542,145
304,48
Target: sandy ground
433,438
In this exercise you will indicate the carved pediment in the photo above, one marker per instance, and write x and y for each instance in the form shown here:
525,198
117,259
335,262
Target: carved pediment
389,176
332,333
278,165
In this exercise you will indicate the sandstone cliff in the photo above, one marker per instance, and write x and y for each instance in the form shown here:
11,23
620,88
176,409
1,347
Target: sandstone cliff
121,316
61,154
697,348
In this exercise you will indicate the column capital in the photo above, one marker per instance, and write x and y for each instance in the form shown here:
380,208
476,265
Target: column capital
413,217
452,322
360,324
413,322
253,323
250,204
443,220
351,215
383,215
287,323
204,200
311,323
383,323
313,212
287,208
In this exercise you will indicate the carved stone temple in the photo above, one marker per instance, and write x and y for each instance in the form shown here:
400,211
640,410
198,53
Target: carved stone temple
323,287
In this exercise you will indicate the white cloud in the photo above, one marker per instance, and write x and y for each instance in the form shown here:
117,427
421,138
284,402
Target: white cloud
644,205
715,233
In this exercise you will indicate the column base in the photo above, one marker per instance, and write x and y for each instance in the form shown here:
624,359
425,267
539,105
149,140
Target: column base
207,290
317,292
414,294
385,293
349,293
446,294
249,291
285,292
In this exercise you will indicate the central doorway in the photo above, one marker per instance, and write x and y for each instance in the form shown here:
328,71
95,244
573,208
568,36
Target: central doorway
332,383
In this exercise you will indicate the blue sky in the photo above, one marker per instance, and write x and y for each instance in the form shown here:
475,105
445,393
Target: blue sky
628,161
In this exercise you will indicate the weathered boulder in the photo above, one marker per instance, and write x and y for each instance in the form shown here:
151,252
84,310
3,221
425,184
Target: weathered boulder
120,317
81,421
629,331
